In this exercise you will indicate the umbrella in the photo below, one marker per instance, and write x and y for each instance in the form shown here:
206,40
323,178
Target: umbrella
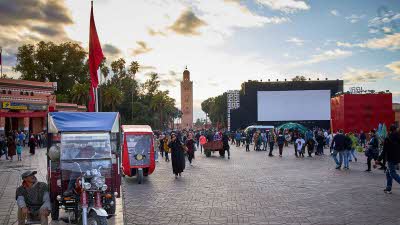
293,126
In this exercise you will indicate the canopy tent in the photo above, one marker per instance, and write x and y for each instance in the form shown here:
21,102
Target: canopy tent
137,129
293,126
83,121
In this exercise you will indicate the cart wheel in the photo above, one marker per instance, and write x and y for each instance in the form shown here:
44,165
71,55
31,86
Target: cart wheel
55,210
222,153
139,176
208,153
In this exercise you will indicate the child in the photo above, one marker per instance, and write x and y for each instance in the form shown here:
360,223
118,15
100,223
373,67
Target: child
300,142
19,151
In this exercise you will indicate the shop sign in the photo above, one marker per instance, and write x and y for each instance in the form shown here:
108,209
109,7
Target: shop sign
37,107
14,105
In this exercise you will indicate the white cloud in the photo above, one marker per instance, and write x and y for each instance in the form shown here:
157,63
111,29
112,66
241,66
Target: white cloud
324,56
287,6
395,67
354,18
352,75
335,12
390,42
296,41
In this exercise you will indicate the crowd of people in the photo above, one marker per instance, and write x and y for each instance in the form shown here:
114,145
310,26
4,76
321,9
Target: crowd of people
342,146
13,143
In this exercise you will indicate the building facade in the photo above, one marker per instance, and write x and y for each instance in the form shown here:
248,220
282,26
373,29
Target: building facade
186,101
24,105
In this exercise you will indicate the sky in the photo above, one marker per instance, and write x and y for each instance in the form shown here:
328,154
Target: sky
223,42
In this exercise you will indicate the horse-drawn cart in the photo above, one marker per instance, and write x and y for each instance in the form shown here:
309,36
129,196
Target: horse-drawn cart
213,146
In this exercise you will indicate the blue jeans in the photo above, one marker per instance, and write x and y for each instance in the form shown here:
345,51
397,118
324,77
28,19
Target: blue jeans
390,175
334,156
346,157
352,154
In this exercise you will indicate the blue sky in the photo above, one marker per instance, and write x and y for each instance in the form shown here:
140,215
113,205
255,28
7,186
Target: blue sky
224,42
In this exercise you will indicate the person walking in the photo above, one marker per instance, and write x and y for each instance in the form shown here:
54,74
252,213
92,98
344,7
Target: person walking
177,155
281,141
391,152
299,145
11,145
166,148
338,144
294,138
248,139
264,140
271,142
190,145
32,145
347,151
320,142
225,144
372,151
19,151
363,139
3,147
238,138
202,140
156,147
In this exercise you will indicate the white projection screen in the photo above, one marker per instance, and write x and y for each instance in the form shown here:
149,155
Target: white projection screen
294,105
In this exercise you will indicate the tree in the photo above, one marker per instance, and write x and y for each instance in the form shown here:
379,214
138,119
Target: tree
133,68
80,93
64,63
215,108
112,97
299,78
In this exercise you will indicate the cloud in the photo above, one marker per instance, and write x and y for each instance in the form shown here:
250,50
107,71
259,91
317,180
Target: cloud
22,12
141,49
287,6
170,79
187,24
335,12
143,68
324,56
296,41
390,42
385,22
352,75
395,67
110,49
354,18
153,32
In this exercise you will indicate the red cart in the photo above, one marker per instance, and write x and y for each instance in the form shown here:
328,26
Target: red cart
138,151
214,146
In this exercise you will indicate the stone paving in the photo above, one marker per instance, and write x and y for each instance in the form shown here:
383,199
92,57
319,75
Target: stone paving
252,188
10,179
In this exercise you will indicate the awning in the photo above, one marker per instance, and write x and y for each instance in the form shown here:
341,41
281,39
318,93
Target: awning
83,121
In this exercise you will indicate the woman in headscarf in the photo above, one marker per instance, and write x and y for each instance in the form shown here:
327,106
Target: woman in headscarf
177,155
32,144
12,148
190,147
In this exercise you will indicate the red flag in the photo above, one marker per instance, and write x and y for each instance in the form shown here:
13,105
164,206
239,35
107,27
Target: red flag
95,58
95,51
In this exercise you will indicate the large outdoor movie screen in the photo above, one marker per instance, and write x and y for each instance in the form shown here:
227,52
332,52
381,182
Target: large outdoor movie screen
294,105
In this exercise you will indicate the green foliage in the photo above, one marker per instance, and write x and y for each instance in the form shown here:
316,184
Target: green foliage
299,78
215,108
67,64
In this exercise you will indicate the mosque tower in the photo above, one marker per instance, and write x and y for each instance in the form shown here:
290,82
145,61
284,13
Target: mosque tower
186,100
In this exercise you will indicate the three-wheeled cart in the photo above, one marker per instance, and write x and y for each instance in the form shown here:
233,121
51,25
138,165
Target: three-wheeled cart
137,151
213,146
82,163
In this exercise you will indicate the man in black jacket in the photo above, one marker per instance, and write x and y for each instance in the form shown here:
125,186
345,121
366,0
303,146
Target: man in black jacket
338,145
391,152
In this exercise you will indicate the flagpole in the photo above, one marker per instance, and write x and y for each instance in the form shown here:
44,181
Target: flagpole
97,99
1,62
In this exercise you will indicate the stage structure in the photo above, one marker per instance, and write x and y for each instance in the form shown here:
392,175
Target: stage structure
275,103
233,99
355,112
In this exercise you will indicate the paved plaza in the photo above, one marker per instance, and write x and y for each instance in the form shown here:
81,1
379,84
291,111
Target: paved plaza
10,179
252,188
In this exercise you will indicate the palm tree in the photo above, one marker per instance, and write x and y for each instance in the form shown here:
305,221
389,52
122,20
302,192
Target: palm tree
112,97
80,93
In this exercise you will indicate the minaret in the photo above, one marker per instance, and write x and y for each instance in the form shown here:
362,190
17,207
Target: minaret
186,100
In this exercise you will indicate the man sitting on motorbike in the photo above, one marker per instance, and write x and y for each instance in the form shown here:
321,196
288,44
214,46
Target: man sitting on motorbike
32,198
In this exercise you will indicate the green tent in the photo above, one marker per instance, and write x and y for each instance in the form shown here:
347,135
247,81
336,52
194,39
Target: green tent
293,126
